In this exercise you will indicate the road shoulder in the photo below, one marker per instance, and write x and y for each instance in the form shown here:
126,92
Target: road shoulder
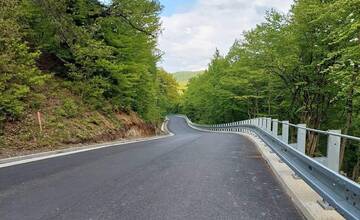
305,198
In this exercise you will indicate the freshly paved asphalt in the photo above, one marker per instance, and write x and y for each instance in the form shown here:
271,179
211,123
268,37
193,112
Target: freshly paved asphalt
192,175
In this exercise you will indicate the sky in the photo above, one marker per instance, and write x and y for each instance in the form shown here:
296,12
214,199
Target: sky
193,29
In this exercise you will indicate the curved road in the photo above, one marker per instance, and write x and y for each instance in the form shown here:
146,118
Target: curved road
192,175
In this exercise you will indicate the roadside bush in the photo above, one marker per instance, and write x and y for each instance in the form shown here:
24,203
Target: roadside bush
69,108
92,91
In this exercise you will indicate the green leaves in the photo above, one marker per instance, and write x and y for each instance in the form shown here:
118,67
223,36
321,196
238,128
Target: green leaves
106,54
303,67
18,73
140,15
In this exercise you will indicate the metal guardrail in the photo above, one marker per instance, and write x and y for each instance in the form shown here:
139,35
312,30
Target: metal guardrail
322,174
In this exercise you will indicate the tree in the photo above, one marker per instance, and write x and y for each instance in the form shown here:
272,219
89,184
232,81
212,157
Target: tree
343,34
303,66
18,73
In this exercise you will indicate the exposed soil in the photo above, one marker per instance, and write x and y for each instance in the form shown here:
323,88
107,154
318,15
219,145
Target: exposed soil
62,128
129,130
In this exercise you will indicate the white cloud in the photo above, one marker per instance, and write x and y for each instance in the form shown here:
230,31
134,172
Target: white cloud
190,38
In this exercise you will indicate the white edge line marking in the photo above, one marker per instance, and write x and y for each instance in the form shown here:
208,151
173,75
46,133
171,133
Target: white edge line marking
56,154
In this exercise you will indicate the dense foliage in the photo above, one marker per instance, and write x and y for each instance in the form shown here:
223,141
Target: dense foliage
303,66
107,55
17,64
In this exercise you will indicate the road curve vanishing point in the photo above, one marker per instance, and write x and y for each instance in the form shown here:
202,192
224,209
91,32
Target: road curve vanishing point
192,175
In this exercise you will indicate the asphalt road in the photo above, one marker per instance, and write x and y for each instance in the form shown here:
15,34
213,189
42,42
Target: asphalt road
192,175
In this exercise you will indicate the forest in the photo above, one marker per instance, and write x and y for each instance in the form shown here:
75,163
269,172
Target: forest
68,59
302,66
81,63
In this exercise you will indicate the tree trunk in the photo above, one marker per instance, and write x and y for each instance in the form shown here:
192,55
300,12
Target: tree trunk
349,116
356,171
257,104
313,139
312,119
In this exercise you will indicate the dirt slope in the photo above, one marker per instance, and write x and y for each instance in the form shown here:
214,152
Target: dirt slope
67,121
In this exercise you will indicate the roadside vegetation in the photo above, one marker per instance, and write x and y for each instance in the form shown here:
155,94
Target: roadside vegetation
303,66
74,71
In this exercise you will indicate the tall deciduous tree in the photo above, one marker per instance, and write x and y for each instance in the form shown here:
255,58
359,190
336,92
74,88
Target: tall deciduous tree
303,66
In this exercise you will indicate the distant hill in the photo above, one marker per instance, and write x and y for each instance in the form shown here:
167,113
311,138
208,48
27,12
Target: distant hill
184,76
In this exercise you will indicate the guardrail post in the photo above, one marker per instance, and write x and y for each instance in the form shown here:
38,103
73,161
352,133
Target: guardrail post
263,123
333,151
275,127
285,132
268,124
301,138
